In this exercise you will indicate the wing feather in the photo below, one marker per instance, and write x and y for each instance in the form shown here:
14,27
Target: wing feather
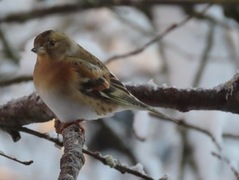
100,83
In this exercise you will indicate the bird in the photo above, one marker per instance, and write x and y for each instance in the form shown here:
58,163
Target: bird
76,85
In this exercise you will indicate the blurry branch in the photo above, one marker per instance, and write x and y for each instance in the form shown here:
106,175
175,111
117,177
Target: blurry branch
145,46
131,23
115,141
190,56
209,18
231,12
224,159
9,53
156,38
196,128
205,55
194,14
27,163
58,143
182,123
232,47
121,168
230,136
72,159
41,13
187,160
19,79
165,69
87,4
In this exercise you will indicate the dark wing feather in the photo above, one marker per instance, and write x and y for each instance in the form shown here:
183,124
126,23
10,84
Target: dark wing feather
117,93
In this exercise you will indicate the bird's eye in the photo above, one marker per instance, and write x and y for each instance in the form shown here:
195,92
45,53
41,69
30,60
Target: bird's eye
52,43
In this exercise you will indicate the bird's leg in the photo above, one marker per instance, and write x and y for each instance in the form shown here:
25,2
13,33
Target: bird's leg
59,126
79,124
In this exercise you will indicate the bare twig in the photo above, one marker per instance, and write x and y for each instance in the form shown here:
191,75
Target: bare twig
98,156
9,53
156,38
41,135
145,46
95,155
196,128
132,24
121,168
15,80
27,163
224,159
190,56
205,55
230,136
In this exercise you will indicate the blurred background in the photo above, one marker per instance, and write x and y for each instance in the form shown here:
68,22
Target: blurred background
203,52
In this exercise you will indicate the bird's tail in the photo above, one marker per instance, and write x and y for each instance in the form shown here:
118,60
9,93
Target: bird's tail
160,115
120,94
139,104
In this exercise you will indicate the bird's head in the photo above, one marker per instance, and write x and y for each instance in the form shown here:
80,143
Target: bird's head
54,44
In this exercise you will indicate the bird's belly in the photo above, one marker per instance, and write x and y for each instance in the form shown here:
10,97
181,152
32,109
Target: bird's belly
67,108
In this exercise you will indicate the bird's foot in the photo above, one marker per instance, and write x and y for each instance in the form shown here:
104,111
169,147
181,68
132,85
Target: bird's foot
60,126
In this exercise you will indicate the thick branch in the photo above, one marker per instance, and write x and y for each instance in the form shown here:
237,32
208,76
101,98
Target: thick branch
72,159
23,111
224,99
30,109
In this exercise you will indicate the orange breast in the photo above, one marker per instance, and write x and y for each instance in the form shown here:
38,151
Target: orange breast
53,74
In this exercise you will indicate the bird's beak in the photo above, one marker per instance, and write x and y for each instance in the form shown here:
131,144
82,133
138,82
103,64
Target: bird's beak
38,49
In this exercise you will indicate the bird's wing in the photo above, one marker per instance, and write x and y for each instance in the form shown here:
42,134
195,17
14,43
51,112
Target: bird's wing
100,83
91,77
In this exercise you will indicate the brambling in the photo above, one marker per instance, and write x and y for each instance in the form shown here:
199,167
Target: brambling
76,85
